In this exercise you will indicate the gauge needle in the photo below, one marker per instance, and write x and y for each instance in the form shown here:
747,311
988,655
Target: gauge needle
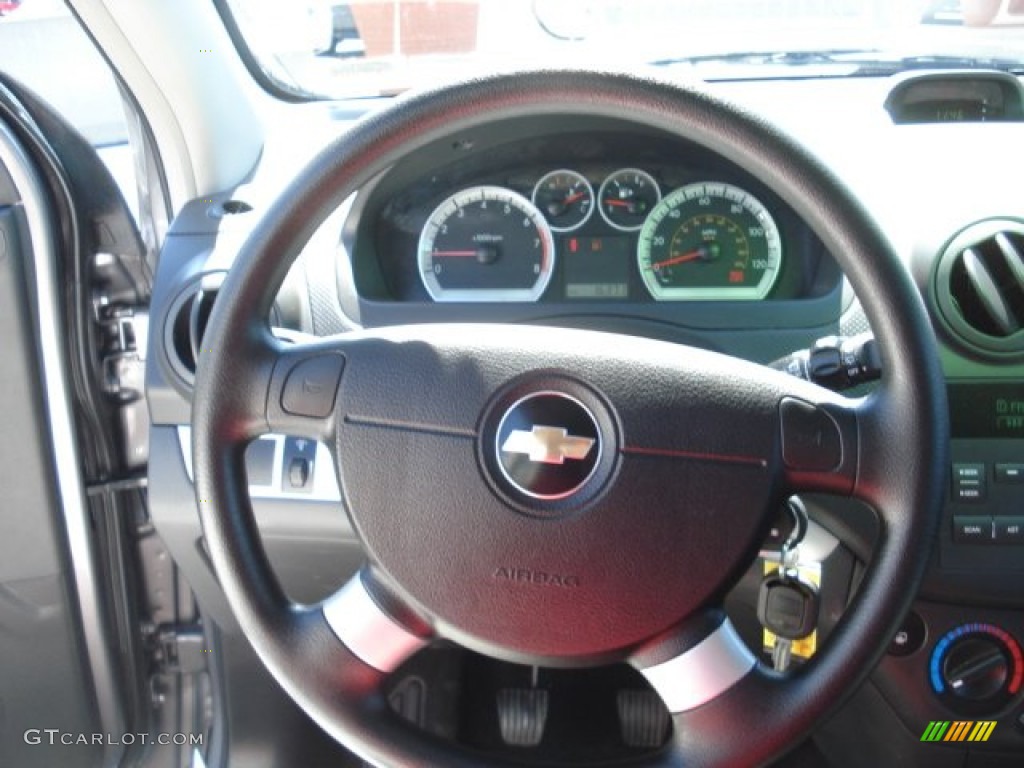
558,207
681,258
485,254
633,207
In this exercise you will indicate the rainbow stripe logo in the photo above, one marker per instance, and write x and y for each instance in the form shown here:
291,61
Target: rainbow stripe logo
958,730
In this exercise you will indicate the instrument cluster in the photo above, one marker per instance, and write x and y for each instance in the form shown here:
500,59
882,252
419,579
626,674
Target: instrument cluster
577,216
705,240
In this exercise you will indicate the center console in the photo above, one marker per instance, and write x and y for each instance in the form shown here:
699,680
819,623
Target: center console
955,669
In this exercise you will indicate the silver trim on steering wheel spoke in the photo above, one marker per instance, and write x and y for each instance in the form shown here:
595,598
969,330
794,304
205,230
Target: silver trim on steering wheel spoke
704,672
366,630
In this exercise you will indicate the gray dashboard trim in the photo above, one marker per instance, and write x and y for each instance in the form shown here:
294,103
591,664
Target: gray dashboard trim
325,482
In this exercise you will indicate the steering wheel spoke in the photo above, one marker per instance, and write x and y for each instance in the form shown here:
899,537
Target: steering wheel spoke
696,662
373,625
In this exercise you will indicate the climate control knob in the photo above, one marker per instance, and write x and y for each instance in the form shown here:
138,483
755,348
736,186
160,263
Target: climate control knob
976,668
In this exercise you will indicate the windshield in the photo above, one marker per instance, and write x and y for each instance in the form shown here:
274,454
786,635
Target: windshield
319,48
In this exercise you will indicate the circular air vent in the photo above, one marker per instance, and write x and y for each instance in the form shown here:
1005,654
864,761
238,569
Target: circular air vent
979,286
186,323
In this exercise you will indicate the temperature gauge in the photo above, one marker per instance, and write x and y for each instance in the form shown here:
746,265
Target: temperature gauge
565,198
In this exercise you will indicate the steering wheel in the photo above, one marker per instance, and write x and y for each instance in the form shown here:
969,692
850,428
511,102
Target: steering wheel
564,497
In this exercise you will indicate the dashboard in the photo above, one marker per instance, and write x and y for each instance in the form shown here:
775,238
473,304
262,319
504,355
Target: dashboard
580,221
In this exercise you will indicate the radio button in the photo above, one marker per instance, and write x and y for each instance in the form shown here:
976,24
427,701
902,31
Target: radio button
969,483
1009,530
972,530
1010,473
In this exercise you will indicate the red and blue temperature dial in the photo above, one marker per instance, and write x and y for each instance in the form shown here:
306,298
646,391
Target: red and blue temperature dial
976,667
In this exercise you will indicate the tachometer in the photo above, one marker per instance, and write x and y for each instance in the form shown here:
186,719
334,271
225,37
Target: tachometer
709,241
486,244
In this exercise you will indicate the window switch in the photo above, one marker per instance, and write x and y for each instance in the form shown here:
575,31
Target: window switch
298,473
298,467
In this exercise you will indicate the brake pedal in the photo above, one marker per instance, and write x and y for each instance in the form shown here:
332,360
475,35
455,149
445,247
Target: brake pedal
643,719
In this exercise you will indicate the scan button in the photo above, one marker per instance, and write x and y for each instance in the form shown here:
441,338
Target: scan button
972,530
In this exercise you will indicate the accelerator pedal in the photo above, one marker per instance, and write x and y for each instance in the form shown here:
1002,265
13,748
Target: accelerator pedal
643,718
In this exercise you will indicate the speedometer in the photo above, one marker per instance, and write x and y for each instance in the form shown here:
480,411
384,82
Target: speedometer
709,241
486,244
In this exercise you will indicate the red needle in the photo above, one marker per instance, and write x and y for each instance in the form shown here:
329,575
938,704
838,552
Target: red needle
619,203
681,259
573,198
454,253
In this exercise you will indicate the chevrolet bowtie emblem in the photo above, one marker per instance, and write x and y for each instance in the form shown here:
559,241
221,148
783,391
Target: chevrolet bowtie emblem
548,445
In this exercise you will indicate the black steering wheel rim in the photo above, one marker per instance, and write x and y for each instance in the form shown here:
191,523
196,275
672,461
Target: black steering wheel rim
901,431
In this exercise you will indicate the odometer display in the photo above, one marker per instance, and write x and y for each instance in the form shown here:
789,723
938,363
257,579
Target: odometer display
709,241
486,244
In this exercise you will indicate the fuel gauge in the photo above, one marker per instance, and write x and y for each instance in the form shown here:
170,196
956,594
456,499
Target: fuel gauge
626,197
565,198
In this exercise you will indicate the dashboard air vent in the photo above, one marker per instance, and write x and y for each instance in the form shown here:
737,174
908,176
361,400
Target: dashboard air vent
187,323
980,286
